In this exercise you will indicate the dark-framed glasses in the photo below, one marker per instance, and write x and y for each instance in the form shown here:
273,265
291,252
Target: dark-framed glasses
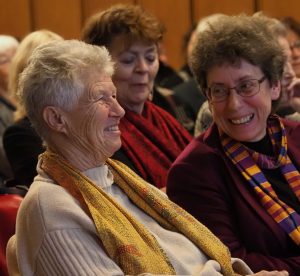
246,88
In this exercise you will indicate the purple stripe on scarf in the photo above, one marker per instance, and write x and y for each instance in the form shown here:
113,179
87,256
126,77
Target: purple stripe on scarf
290,223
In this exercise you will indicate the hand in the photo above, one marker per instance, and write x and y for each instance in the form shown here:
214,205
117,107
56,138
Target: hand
271,273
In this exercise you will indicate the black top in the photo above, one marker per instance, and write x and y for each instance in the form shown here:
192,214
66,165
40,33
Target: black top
22,146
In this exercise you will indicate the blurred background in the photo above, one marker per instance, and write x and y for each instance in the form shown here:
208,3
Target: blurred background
66,17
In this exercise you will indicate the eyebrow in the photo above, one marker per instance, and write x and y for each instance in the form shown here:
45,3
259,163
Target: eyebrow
246,77
148,50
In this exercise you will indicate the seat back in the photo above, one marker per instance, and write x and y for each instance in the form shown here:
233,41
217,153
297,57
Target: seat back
9,205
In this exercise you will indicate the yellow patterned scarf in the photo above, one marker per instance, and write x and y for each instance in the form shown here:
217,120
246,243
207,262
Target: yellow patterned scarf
125,239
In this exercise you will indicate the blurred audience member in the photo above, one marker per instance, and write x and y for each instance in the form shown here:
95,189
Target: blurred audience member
293,37
189,93
8,46
21,143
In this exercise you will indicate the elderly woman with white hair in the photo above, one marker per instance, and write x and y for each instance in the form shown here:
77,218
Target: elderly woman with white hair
86,214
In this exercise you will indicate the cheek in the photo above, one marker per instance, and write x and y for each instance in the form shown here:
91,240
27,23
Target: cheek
216,112
89,125
153,70
122,73
121,78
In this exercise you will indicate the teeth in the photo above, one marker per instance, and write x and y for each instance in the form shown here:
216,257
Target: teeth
242,120
112,128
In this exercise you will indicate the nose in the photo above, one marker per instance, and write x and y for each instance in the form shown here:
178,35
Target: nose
117,110
234,100
141,65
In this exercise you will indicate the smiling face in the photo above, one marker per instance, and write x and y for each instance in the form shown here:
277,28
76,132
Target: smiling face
92,125
242,118
136,69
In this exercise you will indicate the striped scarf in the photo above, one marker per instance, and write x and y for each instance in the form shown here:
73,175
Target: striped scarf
125,239
250,164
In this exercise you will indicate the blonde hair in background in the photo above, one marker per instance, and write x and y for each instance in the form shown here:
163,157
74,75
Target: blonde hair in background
19,62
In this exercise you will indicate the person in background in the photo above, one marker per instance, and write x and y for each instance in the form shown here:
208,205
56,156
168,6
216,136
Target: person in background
189,93
293,37
8,46
86,214
151,137
21,143
241,176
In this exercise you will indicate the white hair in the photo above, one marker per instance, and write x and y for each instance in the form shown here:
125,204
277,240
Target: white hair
7,42
56,76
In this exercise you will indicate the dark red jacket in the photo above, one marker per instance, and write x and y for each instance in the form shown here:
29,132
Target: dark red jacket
204,182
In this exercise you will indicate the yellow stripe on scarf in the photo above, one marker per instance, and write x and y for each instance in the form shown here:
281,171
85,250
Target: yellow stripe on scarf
126,240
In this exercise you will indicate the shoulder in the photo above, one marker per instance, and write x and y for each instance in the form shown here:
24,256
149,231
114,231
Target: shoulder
20,126
200,164
292,127
22,134
202,148
49,207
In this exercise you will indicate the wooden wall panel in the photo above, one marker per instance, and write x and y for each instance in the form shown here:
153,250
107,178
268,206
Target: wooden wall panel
66,17
203,8
279,8
60,16
15,17
175,14
90,7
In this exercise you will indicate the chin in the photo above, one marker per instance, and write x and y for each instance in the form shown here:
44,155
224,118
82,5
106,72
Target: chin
115,148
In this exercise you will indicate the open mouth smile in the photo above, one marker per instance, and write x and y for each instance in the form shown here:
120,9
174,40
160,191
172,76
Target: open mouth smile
243,120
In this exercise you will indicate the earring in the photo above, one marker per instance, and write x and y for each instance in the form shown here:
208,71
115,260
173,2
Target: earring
150,96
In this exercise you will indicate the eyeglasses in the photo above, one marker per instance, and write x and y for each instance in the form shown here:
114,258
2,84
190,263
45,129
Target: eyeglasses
247,88
294,45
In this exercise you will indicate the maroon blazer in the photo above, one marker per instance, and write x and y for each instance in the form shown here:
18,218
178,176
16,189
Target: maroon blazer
204,182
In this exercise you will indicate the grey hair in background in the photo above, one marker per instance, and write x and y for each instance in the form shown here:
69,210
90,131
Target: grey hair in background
7,42
55,77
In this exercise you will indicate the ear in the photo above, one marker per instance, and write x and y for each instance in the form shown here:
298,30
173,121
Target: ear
54,118
275,90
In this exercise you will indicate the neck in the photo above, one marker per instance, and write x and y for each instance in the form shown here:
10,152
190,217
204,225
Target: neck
78,159
138,109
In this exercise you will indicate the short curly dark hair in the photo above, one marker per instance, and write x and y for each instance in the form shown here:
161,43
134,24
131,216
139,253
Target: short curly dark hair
129,20
233,38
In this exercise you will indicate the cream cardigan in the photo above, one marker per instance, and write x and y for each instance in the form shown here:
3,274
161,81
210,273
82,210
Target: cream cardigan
54,236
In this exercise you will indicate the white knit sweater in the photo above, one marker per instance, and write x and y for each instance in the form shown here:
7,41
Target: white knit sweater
54,236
